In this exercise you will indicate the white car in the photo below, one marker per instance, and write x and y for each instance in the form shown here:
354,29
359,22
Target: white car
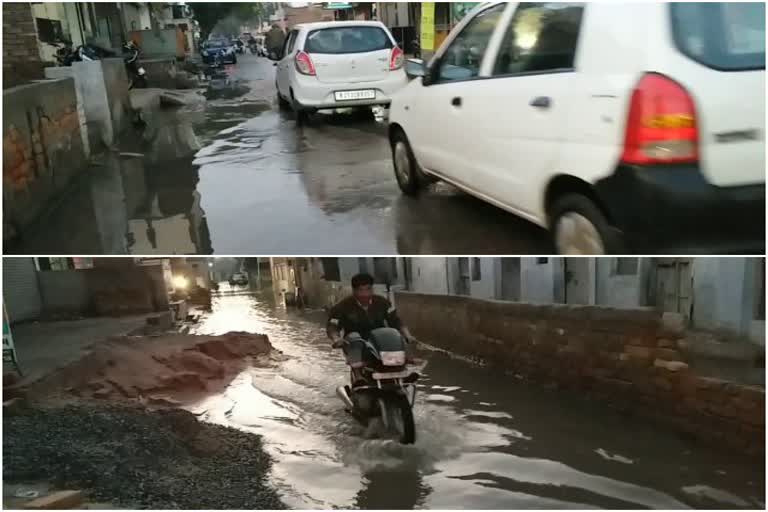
616,126
339,64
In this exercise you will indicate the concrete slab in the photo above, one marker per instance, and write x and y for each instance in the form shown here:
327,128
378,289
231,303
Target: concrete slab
145,100
43,347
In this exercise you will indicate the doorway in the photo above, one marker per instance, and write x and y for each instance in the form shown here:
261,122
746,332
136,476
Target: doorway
510,279
674,286
579,283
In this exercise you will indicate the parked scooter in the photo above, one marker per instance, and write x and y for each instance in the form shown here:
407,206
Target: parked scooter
90,52
137,75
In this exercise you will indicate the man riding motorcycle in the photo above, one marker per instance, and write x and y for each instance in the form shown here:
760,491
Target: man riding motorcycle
361,313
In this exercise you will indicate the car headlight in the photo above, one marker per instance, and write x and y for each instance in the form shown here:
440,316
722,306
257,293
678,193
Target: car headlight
205,53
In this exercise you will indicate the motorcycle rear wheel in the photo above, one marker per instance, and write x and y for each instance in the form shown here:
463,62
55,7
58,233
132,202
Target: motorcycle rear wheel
400,418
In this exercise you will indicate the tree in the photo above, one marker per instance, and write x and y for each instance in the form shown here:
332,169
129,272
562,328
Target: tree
209,14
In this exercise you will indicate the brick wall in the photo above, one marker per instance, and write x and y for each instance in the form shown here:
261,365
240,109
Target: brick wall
21,56
42,147
628,357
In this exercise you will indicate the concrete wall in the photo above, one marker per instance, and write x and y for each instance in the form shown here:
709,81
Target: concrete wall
21,57
541,281
630,357
65,292
429,275
102,88
624,291
42,147
105,291
135,16
725,294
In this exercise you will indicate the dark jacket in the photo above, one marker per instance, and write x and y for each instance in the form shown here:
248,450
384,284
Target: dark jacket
349,316
274,40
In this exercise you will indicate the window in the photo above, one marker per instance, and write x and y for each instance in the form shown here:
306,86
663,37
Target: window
542,261
541,37
462,59
627,266
723,35
49,31
331,270
476,271
347,40
290,42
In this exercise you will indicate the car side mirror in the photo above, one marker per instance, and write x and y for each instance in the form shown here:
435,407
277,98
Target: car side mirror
430,73
415,68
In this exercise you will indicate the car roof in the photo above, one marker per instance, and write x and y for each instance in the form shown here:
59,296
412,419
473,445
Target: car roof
334,24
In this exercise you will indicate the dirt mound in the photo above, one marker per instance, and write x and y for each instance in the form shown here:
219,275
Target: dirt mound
155,368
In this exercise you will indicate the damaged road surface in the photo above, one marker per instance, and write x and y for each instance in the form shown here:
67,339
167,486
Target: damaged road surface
268,431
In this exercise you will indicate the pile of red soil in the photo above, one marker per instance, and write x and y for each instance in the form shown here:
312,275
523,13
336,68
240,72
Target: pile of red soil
164,370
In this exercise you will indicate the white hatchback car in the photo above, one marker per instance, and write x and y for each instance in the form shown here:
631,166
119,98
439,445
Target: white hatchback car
617,126
339,64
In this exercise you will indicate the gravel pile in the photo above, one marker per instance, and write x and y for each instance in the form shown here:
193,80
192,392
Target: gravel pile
138,459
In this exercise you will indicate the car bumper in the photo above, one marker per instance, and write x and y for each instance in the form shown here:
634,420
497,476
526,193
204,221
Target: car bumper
309,92
674,208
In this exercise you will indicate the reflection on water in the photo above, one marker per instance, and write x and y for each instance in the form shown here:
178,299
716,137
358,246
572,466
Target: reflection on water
484,440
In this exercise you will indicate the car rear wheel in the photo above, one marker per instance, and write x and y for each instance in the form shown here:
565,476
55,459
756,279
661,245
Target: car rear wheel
579,227
410,178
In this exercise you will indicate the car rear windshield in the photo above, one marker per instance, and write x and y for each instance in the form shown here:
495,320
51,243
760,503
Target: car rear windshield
347,40
724,36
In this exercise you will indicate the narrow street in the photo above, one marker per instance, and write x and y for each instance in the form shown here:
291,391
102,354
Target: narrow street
484,441
233,173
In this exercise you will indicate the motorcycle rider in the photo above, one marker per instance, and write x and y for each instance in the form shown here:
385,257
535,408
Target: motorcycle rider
361,313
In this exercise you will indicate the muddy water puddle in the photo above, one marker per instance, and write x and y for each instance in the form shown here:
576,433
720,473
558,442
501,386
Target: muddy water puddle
484,441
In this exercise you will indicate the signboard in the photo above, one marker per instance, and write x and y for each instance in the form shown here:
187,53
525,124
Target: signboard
428,26
333,6
9,351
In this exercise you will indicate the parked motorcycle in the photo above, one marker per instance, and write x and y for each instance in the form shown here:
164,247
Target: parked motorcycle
137,75
65,55
388,389
90,52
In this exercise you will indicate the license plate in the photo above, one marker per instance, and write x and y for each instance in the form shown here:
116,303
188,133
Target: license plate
365,94
391,375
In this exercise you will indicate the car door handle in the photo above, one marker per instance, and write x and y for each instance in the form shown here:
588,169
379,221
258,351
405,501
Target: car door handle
541,102
456,102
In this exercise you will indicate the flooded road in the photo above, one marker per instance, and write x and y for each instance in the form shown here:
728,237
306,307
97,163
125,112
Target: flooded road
484,441
234,175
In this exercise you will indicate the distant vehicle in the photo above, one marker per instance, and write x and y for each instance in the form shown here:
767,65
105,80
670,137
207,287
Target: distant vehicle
218,49
238,279
619,127
338,64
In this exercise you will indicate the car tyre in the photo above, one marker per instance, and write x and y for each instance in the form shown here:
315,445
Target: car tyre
579,227
410,178
282,102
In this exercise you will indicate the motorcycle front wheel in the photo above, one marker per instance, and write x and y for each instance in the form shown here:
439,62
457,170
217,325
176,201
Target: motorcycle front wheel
399,418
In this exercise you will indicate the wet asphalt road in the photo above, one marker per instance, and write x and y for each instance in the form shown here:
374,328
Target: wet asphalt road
485,441
234,175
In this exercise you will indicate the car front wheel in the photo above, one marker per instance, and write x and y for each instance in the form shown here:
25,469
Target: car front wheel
579,227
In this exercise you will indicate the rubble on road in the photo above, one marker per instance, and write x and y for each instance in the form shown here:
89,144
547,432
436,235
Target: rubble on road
143,368
133,458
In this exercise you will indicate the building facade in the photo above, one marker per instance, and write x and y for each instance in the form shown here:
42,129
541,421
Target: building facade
718,294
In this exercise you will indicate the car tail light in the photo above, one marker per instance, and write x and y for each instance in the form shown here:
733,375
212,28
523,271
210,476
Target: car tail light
661,124
304,64
396,59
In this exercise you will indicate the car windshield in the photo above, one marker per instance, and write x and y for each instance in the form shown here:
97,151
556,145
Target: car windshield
217,44
723,36
347,40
